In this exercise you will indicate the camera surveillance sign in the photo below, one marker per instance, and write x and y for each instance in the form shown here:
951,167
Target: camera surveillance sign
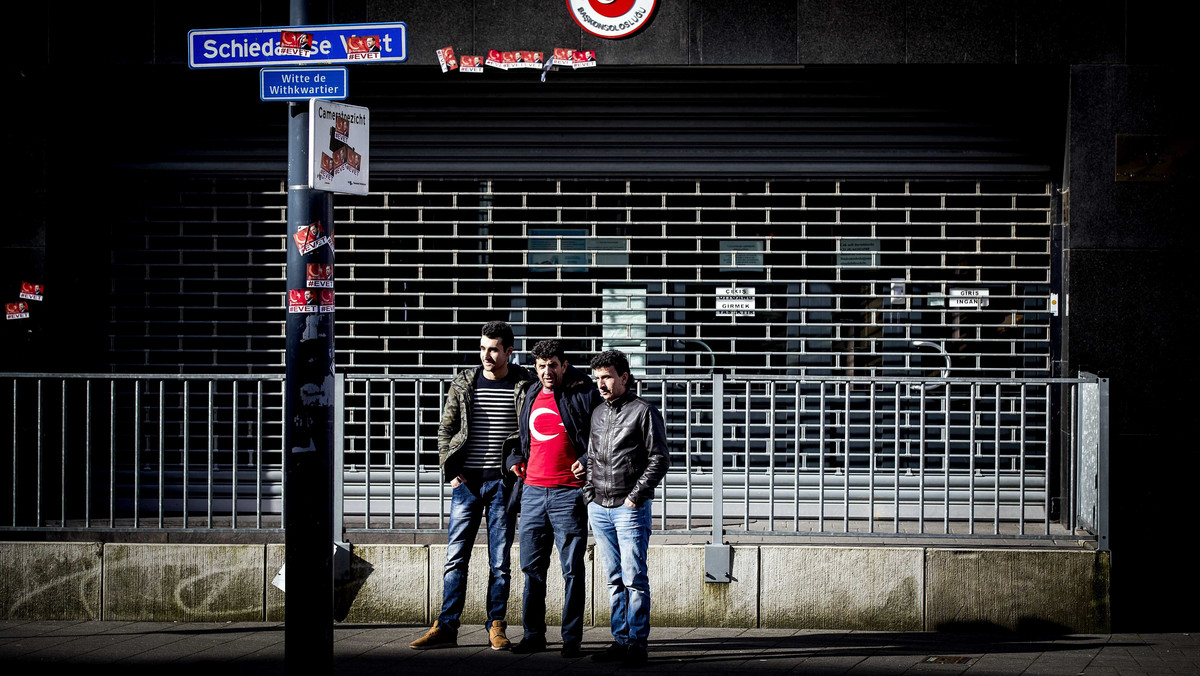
338,147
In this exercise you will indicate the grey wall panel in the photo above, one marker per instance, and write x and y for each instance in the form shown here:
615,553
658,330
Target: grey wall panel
737,34
851,31
511,26
623,122
1070,31
948,31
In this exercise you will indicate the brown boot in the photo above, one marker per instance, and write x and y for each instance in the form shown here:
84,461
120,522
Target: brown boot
438,636
496,637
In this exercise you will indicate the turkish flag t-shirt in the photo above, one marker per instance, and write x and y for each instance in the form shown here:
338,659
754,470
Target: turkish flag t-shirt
551,452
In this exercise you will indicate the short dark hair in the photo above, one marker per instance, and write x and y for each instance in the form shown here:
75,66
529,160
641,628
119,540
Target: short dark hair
616,360
549,349
499,330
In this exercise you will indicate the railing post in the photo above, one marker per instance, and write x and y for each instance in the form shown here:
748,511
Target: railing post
718,460
1102,468
718,556
341,551
1090,446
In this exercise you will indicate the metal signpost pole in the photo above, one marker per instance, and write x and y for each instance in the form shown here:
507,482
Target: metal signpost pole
308,412
311,399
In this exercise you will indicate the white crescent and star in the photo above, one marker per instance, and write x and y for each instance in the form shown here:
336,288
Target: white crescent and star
533,426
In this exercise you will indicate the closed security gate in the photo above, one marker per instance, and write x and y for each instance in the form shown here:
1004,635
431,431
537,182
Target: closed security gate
796,277
788,277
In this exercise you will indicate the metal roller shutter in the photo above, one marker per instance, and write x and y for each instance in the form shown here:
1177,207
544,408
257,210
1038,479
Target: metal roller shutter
909,122
854,202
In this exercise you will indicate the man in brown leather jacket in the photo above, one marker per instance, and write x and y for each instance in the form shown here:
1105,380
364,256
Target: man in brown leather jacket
627,457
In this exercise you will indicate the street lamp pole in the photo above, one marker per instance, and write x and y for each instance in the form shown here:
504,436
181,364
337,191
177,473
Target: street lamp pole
309,408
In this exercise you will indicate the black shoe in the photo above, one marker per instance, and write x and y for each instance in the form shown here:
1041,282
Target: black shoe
571,651
529,646
635,656
615,652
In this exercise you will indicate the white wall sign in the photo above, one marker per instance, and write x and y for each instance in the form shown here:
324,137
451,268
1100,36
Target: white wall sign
339,147
741,255
969,302
603,245
861,253
735,301
976,298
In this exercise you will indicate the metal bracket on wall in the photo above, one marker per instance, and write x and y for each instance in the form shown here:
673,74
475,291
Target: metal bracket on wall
718,563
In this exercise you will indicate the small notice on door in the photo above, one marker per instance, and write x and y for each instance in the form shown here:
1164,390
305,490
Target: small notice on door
858,253
735,301
974,298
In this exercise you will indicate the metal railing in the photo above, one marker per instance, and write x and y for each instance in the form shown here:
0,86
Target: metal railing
929,457
136,452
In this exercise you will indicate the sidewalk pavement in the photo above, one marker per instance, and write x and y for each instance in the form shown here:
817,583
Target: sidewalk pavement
226,649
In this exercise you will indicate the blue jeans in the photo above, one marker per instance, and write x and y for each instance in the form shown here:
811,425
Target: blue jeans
553,516
622,538
470,502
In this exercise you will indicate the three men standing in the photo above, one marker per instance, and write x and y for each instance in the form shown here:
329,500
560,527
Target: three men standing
627,458
479,415
555,423
574,442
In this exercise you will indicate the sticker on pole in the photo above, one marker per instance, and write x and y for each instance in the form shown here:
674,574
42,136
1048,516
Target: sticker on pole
310,237
338,147
307,301
31,291
319,275
16,310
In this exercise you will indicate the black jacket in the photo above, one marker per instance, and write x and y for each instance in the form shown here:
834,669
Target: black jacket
575,398
628,454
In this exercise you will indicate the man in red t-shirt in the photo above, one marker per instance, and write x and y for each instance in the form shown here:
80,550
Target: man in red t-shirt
554,423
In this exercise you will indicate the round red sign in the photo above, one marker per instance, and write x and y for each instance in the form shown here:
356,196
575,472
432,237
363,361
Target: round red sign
611,18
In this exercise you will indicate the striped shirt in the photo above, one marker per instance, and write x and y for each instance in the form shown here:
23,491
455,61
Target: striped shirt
493,419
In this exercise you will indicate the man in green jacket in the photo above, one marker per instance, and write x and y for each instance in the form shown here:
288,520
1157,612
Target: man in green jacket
480,414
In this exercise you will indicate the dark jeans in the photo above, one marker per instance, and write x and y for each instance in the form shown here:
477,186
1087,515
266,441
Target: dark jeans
470,503
553,516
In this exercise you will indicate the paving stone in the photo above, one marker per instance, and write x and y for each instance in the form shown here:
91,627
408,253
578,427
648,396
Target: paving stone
238,648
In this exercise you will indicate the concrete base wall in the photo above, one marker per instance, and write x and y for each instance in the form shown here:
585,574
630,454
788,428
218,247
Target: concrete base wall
387,583
189,583
1017,590
875,588
786,586
50,581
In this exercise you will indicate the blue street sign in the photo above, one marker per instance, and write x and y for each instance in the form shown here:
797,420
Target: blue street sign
298,45
301,84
